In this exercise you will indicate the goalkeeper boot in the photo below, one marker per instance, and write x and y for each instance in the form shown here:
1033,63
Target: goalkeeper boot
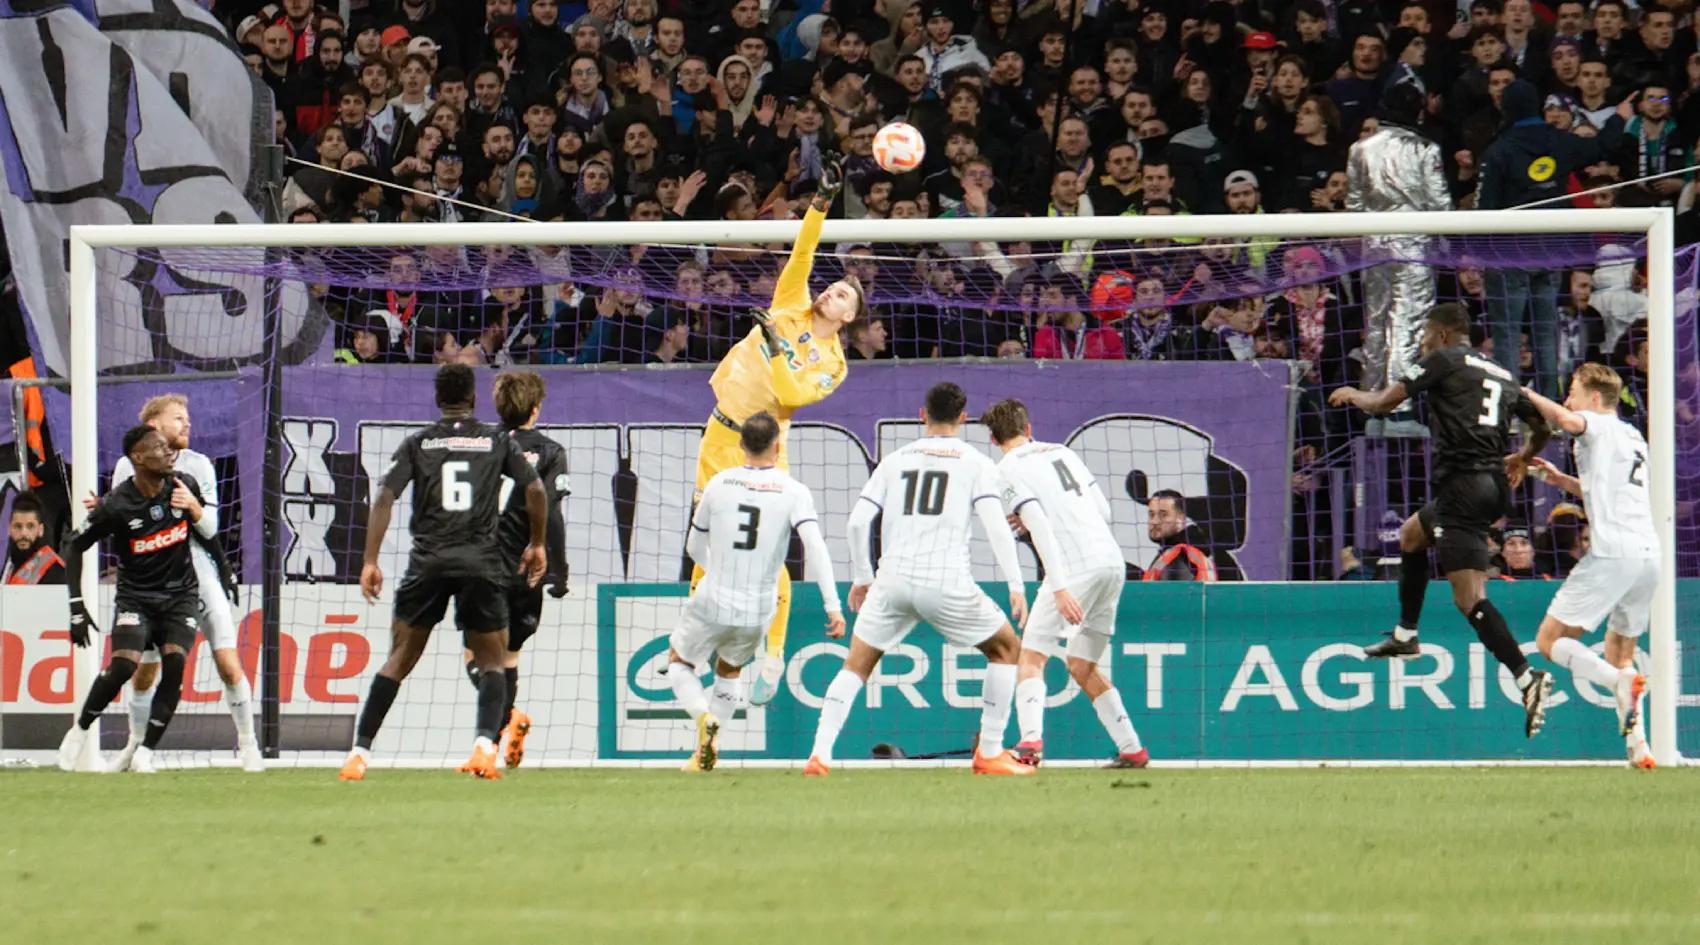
767,681
1002,763
1535,702
1393,646
120,762
71,748
1630,685
1030,753
354,769
816,768
482,764
1131,759
142,763
519,726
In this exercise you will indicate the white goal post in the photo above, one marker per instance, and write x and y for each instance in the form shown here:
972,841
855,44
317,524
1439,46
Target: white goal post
1656,225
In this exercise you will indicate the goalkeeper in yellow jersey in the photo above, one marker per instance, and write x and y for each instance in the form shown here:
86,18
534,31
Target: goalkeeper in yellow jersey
791,359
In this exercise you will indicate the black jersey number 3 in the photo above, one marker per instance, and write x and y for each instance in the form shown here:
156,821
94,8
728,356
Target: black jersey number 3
923,493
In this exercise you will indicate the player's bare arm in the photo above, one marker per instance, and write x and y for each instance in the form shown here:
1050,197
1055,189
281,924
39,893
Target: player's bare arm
371,576
1557,414
1518,463
1555,477
1374,403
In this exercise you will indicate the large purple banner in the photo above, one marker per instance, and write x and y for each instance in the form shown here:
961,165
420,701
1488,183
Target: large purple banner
1215,432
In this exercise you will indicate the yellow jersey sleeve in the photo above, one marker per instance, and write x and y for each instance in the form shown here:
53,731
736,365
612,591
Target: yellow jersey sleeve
792,292
808,373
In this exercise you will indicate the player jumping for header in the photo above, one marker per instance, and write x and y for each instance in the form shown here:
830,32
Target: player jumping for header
1470,404
740,532
927,493
456,467
792,358
1615,580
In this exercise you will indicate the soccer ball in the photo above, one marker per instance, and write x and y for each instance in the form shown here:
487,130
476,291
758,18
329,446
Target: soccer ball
899,148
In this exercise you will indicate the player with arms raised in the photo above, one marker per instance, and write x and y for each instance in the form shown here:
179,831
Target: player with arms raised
1615,580
927,493
519,399
158,603
456,466
740,531
1471,401
1075,612
792,358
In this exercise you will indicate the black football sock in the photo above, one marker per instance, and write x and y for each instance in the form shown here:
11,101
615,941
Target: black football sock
1413,585
473,674
104,689
1496,636
512,677
492,695
165,697
378,701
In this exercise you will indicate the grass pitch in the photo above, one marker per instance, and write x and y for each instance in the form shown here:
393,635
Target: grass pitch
1360,856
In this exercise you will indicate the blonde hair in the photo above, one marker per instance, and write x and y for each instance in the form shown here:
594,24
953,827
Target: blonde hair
1601,380
517,394
158,405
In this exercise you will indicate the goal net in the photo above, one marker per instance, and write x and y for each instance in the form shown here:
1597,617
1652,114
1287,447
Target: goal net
1187,356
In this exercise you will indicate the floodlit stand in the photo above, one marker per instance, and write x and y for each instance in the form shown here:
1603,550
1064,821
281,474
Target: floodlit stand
1656,225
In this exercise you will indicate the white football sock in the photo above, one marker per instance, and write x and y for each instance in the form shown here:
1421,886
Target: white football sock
834,709
1030,708
1113,714
1403,635
687,688
483,744
240,699
725,699
141,706
1569,653
995,698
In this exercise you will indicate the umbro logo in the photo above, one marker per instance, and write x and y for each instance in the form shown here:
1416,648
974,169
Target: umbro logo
135,523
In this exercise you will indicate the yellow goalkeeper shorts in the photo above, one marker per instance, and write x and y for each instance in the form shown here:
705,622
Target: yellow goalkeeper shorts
721,450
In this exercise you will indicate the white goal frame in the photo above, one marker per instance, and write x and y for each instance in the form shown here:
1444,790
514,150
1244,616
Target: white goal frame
1656,224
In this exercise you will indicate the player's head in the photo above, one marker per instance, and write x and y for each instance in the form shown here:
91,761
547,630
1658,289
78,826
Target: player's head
1447,324
147,450
947,406
457,387
1594,388
1007,420
1167,515
519,396
27,523
169,414
759,436
842,303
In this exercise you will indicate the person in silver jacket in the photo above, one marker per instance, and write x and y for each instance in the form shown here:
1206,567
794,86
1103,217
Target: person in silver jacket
1396,169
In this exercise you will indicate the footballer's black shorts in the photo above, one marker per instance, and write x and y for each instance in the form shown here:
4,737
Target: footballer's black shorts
1465,506
525,609
481,604
150,625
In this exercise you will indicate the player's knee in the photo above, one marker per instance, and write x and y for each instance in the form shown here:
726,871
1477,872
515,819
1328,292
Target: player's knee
121,668
1411,536
229,666
1087,675
1465,599
146,673
1003,647
172,661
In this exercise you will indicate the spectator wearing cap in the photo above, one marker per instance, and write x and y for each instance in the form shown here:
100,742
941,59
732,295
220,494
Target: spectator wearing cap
426,47
907,20
314,91
1356,93
392,46
944,50
841,84
1517,552
449,176
1407,51
1529,162
504,45
1560,112
1255,69
425,18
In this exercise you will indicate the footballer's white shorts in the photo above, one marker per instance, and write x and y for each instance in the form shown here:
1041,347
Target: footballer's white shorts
699,638
218,625
1098,593
1599,588
964,616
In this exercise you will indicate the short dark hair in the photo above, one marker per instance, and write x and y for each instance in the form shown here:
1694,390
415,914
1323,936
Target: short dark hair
1006,419
1170,494
28,503
1451,316
456,386
946,402
758,433
135,435
449,74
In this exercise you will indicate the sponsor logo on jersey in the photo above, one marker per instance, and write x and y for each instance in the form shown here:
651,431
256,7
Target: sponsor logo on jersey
460,444
159,541
128,618
135,523
826,382
191,623
803,339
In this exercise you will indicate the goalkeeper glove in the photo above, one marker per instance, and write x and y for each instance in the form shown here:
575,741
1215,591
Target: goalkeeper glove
764,319
831,176
558,586
81,623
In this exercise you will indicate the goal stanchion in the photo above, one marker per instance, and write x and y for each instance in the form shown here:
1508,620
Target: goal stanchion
1222,434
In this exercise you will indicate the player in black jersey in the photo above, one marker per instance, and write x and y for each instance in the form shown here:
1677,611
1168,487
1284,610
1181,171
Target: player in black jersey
158,602
519,398
455,466
1471,401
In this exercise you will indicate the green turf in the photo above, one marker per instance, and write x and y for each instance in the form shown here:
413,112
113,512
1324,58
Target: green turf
1362,856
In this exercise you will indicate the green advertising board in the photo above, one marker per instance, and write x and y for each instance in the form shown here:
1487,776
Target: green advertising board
1219,672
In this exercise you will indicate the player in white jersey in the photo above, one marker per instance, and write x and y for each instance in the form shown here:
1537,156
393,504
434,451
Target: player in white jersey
1615,581
169,414
740,533
927,493
1074,615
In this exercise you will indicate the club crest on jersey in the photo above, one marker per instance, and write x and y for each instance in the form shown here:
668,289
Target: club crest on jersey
814,355
155,512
